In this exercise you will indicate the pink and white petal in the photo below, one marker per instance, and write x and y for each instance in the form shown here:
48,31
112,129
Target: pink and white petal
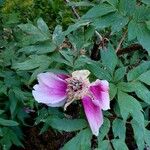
93,114
100,93
63,76
47,95
57,104
102,83
52,80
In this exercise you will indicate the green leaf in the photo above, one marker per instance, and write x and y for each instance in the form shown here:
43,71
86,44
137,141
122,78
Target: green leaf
113,90
118,143
75,26
34,34
130,106
4,122
147,136
109,54
112,2
104,145
142,92
58,35
9,138
143,36
146,2
127,86
82,141
104,130
119,74
96,69
119,129
136,72
127,7
148,24
132,31
138,134
66,124
145,77
81,61
98,11
43,26
13,102
43,48
33,62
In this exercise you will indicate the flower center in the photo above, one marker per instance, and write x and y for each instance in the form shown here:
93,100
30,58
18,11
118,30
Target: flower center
75,90
74,85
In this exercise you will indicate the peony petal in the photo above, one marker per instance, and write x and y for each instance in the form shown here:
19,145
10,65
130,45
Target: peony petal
63,76
93,114
47,94
57,104
100,93
52,80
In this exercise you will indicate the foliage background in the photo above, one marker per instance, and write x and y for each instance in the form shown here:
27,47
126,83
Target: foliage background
38,36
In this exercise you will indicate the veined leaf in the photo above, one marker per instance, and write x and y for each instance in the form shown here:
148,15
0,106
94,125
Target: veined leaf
82,141
66,124
4,122
43,26
109,58
136,72
33,62
119,129
130,106
118,143
138,134
98,11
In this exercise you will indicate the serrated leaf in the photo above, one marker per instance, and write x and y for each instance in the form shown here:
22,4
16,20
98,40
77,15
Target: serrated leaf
82,141
109,58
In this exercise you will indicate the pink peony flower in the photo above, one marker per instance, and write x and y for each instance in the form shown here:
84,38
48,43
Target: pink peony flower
57,90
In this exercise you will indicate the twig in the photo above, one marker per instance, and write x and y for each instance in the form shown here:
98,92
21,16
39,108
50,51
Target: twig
131,48
73,10
121,41
95,50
